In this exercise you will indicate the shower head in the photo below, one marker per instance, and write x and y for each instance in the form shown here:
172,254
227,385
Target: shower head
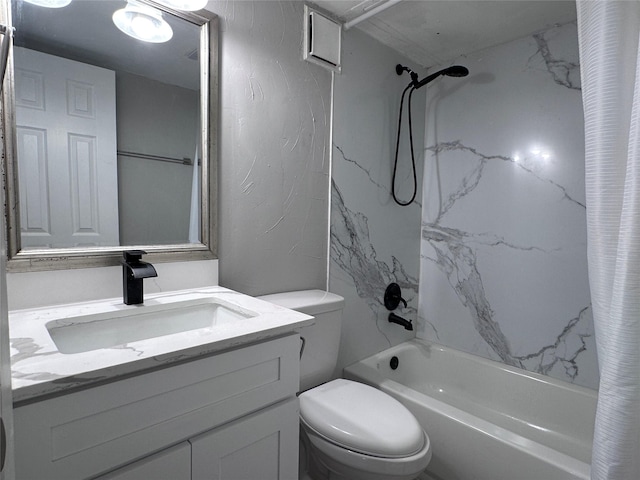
453,71
456,71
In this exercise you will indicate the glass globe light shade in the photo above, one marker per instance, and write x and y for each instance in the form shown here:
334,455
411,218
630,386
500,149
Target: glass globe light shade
143,22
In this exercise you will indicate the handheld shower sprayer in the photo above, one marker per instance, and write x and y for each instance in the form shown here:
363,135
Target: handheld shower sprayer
453,71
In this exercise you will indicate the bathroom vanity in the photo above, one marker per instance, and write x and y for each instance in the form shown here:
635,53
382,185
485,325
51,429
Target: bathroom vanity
215,401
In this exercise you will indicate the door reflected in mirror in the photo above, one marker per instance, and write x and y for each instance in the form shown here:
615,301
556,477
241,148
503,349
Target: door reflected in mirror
110,131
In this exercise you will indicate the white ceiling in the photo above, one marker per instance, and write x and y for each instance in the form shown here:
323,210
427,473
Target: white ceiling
434,32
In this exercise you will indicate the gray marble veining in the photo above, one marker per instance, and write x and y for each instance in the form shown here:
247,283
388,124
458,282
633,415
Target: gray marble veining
455,256
569,344
354,253
366,171
563,72
373,241
471,180
457,260
503,253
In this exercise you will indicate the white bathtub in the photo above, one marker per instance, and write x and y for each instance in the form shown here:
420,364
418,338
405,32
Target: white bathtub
486,420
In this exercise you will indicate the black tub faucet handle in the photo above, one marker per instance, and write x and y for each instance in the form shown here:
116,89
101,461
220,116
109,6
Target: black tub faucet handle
393,297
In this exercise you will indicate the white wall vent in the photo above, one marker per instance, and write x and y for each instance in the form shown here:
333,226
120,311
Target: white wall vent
322,39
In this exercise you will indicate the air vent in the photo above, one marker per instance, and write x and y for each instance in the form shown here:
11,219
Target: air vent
322,40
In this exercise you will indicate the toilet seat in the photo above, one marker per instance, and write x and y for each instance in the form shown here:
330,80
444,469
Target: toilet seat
362,419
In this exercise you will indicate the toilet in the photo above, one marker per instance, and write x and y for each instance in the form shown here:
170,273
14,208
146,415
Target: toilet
349,431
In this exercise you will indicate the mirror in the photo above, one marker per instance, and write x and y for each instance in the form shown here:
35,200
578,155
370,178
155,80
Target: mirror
109,140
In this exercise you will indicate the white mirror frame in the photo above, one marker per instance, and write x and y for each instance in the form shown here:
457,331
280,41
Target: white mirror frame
69,258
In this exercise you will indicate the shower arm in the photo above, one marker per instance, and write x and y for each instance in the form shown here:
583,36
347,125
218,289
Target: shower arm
414,76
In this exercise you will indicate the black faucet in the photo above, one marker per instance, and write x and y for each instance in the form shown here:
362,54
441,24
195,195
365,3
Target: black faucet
133,271
392,298
393,318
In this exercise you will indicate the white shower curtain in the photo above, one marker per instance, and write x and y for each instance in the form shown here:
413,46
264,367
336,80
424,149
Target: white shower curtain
609,36
194,213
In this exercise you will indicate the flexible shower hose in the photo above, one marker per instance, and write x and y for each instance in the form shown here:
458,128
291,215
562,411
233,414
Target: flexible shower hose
413,159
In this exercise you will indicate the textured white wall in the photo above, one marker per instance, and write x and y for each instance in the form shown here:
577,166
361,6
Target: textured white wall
373,241
503,270
274,151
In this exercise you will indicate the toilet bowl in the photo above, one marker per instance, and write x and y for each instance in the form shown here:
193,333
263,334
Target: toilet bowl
349,431
357,432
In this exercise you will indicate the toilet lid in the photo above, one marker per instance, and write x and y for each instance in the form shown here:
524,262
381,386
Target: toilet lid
361,418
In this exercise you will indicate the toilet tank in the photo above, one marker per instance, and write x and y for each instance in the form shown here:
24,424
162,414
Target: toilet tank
322,339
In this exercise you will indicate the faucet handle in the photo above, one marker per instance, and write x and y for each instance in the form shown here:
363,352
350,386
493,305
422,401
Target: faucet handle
393,297
133,255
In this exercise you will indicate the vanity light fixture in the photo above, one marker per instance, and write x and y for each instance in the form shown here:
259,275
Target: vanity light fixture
50,3
185,5
143,22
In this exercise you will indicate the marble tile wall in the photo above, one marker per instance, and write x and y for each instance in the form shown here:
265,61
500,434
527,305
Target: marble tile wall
503,270
373,241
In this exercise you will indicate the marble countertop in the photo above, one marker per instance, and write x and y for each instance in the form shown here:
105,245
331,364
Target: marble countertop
40,369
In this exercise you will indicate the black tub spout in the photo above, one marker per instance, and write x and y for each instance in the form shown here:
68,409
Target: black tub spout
133,271
393,318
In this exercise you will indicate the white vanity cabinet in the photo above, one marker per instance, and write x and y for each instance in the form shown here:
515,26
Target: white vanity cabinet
171,464
233,415
258,446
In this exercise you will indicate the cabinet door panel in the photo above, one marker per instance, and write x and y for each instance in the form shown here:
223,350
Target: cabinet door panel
262,446
171,464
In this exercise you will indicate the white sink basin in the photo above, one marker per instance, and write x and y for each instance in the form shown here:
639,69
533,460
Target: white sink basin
85,333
